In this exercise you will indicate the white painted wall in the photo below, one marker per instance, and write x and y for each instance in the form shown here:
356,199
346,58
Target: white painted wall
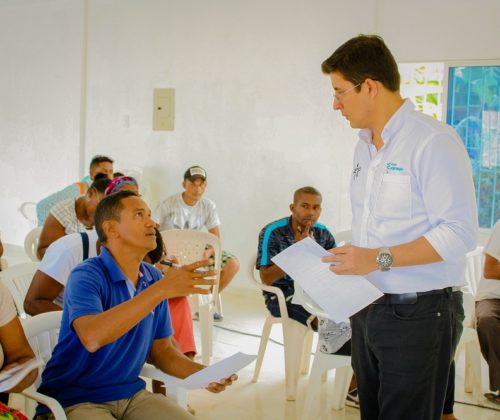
252,106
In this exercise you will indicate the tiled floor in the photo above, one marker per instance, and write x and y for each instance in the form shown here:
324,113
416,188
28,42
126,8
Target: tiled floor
265,400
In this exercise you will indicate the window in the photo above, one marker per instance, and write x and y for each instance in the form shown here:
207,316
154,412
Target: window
473,109
472,104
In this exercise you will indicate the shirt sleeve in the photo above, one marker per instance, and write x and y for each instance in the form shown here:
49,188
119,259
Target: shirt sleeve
493,246
84,292
269,246
158,215
60,258
212,216
445,178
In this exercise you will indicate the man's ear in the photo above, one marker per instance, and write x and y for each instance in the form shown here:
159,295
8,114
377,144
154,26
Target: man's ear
110,229
292,207
373,87
184,184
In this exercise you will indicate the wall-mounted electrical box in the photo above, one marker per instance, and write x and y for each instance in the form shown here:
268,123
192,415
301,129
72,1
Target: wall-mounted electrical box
164,109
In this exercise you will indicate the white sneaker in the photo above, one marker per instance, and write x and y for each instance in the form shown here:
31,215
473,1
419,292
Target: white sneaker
332,335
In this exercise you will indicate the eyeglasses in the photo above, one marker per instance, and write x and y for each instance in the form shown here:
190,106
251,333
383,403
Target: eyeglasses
339,95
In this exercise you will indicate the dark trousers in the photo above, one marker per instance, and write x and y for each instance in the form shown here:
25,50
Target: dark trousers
402,356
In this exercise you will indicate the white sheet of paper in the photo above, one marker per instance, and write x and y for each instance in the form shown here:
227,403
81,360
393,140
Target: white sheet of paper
10,378
339,296
218,371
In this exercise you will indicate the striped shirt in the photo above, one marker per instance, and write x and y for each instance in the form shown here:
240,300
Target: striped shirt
277,236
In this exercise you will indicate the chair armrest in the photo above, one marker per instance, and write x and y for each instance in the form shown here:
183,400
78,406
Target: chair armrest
50,402
149,371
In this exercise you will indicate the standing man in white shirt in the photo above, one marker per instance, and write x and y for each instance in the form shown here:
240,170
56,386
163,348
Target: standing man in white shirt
488,312
414,219
190,210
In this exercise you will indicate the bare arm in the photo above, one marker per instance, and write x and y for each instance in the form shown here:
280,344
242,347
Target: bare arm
355,260
51,232
41,293
491,268
95,331
270,274
17,351
170,360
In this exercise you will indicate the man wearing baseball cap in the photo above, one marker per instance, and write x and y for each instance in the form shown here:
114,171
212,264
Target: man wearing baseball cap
190,210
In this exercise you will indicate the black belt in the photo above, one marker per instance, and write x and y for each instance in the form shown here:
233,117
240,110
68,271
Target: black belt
408,298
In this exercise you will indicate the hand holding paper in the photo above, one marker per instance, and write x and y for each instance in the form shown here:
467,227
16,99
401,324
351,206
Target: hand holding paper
339,296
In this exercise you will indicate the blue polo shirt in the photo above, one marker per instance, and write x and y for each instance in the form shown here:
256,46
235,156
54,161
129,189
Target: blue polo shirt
73,375
278,236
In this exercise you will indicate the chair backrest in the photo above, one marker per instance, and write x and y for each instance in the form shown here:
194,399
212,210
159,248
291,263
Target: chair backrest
17,278
42,332
343,237
31,243
474,269
189,246
308,304
473,273
28,210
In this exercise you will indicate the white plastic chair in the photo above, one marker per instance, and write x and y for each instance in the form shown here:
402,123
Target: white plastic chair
188,246
322,363
28,210
42,332
469,342
31,243
18,278
297,341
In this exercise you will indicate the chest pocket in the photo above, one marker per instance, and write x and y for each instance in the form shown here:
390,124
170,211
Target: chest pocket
394,197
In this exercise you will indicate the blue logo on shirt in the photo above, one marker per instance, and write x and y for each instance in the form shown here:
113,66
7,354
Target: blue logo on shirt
393,167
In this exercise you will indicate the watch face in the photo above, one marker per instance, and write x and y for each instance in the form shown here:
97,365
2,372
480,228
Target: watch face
384,260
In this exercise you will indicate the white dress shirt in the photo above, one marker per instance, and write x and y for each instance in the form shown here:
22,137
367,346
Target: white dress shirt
418,184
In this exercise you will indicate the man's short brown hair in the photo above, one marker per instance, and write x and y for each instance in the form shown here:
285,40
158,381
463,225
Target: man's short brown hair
364,57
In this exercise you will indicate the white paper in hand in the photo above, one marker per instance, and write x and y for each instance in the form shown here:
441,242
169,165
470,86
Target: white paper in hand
339,296
220,370
10,378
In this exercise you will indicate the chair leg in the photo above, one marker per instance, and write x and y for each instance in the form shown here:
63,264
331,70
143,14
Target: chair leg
293,334
306,353
266,331
313,388
206,326
219,305
473,352
343,376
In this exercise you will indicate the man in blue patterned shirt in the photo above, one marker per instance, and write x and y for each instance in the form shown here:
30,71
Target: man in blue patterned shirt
279,235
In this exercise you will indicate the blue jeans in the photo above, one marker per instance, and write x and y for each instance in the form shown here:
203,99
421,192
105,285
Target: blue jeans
401,355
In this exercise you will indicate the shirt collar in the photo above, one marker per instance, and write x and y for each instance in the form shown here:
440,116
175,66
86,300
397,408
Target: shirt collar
115,272
392,127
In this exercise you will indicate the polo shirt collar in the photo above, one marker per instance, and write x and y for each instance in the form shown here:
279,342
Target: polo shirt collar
393,126
115,272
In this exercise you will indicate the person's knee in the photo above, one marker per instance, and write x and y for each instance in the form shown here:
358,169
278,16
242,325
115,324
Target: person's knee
232,266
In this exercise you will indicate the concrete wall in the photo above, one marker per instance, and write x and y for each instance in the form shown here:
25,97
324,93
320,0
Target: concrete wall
252,106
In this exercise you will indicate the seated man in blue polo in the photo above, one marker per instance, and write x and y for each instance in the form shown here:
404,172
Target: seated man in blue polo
115,318
279,235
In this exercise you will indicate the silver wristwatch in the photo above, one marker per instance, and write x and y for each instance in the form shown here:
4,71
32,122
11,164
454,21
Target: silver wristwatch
384,259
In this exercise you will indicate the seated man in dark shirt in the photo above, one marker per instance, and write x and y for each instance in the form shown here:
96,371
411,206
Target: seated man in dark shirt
279,235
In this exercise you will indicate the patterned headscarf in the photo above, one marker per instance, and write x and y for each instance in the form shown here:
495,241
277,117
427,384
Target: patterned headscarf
117,184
